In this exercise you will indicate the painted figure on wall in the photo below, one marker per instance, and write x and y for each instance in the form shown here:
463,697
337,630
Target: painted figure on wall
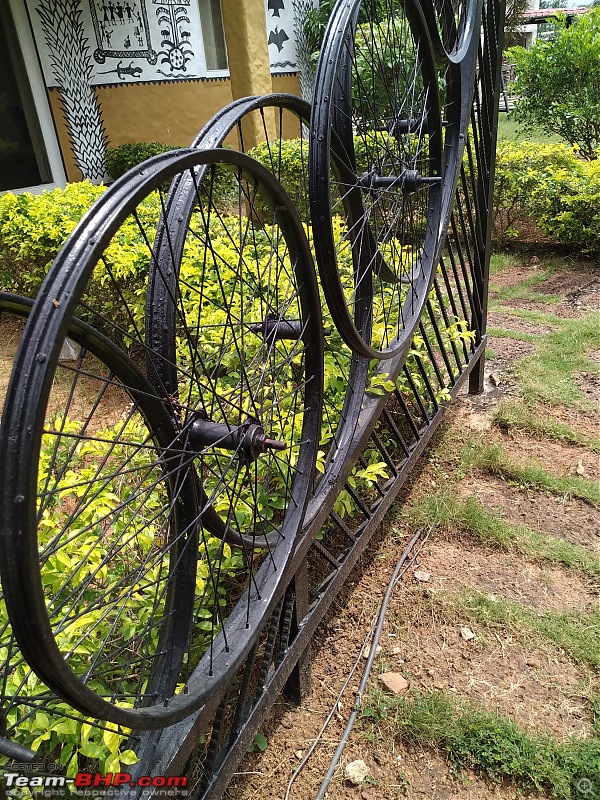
122,29
69,55
174,21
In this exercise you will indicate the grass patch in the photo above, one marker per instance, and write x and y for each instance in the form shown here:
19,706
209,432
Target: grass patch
501,261
489,743
534,297
493,459
548,374
523,290
530,315
510,333
577,633
510,131
445,510
517,414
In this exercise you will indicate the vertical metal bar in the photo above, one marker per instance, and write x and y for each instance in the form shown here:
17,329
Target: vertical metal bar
493,45
298,684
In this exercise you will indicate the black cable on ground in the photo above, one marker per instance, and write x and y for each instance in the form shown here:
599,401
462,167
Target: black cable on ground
401,568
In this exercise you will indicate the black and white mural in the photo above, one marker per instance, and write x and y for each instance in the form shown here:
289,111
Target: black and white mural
288,50
122,30
303,60
153,40
281,35
62,32
131,40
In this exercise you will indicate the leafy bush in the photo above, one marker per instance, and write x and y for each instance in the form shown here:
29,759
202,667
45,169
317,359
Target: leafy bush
551,185
121,159
558,83
572,210
33,229
287,159
76,743
524,175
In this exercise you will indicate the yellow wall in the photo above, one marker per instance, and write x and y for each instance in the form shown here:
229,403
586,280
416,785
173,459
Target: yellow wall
171,113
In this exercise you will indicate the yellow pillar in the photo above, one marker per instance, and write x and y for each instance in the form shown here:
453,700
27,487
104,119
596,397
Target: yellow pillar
245,27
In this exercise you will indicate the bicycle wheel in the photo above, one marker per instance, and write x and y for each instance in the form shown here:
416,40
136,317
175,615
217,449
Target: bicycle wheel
149,612
377,94
111,521
452,24
283,123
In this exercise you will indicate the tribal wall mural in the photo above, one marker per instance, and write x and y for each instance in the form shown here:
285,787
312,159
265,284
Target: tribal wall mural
68,57
281,35
132,40
121,30
303,61
83,44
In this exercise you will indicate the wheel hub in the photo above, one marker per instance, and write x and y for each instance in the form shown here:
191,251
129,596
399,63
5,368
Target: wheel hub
248,440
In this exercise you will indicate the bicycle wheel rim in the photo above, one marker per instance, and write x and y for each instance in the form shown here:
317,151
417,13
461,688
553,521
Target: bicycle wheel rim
45,331
289,117
391,142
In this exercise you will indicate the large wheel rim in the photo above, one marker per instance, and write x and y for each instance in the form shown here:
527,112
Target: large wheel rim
23,427
395,184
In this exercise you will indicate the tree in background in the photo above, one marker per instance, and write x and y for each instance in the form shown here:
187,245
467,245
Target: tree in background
558,83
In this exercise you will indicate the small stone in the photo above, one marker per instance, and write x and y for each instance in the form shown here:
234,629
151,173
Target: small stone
356,772
367,650
580,469
394,682
421,575
478,422
467,634
299,753
495,378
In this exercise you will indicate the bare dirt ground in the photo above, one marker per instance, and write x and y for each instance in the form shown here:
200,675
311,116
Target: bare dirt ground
529,679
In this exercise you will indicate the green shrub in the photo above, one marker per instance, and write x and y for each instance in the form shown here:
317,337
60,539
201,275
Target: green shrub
33,229
572,209
76,743
288,161
121,159
525,175
550,184
558,83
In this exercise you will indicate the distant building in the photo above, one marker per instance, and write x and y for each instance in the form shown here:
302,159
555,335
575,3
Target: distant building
535,16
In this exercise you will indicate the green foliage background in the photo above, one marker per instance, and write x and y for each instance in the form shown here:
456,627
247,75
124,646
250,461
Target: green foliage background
558,83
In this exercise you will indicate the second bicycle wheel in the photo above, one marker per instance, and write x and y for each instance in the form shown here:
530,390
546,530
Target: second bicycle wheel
121,597
284,124
377,98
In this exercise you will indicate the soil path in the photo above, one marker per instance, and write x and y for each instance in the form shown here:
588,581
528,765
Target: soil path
517,674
